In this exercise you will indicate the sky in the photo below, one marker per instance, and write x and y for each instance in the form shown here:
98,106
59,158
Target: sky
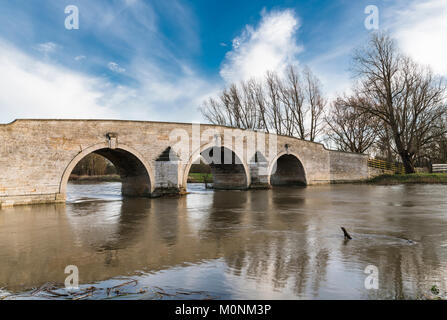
158,60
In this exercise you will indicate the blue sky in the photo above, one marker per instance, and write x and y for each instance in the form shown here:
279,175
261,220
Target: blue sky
158,60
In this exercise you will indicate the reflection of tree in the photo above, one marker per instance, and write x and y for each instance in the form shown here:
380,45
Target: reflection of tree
320,265
278,262
403,267
402,271
286,252
302,264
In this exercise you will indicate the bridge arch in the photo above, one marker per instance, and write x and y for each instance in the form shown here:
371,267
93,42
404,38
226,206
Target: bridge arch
226,176
136,173
287,169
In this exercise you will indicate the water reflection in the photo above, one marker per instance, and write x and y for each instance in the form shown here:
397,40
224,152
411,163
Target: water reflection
282,243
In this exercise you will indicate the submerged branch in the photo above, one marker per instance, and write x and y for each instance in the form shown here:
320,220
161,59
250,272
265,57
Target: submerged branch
346,234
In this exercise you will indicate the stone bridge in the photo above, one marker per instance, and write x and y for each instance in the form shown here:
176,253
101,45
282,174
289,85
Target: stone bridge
154,158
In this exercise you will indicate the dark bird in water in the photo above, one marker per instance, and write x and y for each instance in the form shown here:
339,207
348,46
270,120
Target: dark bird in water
347,236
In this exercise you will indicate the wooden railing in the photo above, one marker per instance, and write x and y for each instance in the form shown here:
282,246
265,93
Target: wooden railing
439,168
385,165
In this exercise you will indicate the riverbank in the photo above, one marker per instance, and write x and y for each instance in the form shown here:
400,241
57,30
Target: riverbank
105,178
192,178
200,178
415,178
387,179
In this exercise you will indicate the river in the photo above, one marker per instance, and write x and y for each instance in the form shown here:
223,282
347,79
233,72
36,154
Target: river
283,243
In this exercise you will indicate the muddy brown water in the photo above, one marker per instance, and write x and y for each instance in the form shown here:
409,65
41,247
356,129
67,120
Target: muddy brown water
284,243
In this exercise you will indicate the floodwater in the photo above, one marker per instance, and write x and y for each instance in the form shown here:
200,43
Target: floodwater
284,243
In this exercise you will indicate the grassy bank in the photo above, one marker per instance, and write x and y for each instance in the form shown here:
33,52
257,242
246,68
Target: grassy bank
105,178
427,178
200,177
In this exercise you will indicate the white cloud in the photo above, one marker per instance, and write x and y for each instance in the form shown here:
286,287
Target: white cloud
34,89
47,47
163,95
158,84
420,29
270,46
116,68
130,2
79,58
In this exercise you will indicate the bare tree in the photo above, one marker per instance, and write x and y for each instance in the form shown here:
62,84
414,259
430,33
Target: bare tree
215,113
236,107
316,103
273,102
407,97
292,96
436,150
384,144
350,128
291,106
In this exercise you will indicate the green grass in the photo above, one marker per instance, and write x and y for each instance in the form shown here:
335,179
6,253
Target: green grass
200,177
104,178
427,178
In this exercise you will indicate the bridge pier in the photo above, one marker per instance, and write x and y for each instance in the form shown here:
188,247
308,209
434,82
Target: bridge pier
259,172
229,177
167,174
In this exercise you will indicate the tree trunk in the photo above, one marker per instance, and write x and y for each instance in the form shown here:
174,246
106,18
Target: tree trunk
408,162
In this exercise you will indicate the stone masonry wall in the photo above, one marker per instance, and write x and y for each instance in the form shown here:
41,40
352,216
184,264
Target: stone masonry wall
35,155
347,167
